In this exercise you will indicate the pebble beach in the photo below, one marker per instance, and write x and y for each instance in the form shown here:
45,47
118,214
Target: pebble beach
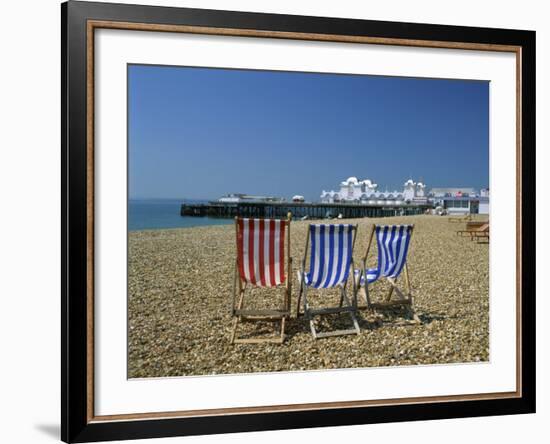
180,284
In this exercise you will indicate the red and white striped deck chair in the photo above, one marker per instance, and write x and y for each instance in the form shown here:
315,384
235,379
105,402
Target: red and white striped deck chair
262,246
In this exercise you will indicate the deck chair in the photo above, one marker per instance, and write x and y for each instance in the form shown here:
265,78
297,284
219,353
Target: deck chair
474,231
481,234
331,258
393,245
465,218
262,245
481,237
470,226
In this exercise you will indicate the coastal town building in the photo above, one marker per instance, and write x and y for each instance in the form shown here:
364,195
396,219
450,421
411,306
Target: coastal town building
366,191
359,198
463,200
454,200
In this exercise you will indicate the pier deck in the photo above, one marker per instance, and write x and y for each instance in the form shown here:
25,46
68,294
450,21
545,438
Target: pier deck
277,210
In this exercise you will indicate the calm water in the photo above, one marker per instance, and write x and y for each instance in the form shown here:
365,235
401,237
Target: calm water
157,214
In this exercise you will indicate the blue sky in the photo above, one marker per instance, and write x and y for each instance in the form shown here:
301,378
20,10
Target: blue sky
201,132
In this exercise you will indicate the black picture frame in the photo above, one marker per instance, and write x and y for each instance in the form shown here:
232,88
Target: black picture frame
76,423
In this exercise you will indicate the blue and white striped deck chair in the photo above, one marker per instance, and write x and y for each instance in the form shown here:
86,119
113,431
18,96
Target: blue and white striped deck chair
331,259
393,243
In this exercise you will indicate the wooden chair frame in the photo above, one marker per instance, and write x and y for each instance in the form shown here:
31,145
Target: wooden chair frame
475,232
350,307
478,236
241,314
402,300
471,226
466,218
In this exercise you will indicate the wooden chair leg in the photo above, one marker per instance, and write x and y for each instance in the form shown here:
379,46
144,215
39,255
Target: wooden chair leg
407,280
304,304
388,297
237,318
283,330
286,297
352,314
299,299
289,303
288,292
312,328
414,315
363,290
369,303
234,330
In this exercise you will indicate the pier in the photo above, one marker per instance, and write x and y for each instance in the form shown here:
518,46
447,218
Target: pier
278,210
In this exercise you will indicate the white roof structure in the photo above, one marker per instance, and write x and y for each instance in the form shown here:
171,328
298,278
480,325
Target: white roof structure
350,181
354,181
355,190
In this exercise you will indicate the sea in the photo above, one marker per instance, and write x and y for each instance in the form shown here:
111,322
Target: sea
156,214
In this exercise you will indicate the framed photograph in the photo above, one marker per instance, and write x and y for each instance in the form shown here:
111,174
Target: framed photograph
275,221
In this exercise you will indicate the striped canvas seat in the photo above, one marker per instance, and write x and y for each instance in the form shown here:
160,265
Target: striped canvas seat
263,260
393,245
331,259
330,255
261,251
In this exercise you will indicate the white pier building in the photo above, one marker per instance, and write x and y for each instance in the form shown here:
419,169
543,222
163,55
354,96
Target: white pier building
365,191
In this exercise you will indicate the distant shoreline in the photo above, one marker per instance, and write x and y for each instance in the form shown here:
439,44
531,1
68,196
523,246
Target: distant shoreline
162,214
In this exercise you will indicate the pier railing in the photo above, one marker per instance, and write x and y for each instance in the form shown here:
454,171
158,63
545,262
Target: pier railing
276,210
